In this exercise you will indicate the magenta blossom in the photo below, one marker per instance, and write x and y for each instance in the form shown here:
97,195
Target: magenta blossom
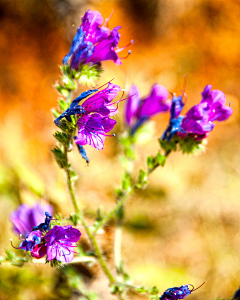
198,121
101,101
26,217
92,43
39,251
60,242
138,111
93,129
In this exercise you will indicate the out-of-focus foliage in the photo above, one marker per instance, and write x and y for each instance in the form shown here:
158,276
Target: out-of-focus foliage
185,225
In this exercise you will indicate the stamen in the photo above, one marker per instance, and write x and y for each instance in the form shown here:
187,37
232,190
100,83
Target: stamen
13,246
184,95
197,287
105,84
129,52
107,20
118,50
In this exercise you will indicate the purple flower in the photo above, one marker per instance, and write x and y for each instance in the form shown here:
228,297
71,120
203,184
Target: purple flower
198,121
101,101
60,242
26,217
32,239
175,118
138,111
93,129
178,292
92,43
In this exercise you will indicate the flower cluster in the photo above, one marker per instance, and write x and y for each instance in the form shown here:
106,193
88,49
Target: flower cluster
138,111
177,293
57,243
92,43
198,121
26,217
93,116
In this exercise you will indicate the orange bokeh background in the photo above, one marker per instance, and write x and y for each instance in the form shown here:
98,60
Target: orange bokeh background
184,227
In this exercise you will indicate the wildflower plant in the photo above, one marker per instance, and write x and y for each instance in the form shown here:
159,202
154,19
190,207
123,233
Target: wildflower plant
86,121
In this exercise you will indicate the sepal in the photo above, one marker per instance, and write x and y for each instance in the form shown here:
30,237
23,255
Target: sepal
60,157
62,137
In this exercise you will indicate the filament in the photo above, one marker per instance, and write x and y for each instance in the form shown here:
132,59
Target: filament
129,52
107,20
197,287
14,246
105,84
118,50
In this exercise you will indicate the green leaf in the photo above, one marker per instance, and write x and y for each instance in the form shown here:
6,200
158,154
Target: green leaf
62,90
161,159
69,83
63,105
150,162
62,137
88,74
190,145
55,113
169,145
73,175
10,255
142,179
75,219
68,127
119,192
154,297
153,290
141,289
60,157
126,182
99,215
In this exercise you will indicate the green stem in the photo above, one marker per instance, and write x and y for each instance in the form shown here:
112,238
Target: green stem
123,199
115,209
117,245
70,186
90,235
98,252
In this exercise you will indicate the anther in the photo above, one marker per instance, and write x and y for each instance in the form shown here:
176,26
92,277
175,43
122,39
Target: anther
129,52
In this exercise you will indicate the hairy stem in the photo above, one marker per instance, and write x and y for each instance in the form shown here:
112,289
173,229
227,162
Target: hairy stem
115,209
117,245
98,252
70,186
124,198
90,235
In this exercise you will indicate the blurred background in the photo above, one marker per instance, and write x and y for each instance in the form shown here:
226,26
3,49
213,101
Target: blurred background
185,226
